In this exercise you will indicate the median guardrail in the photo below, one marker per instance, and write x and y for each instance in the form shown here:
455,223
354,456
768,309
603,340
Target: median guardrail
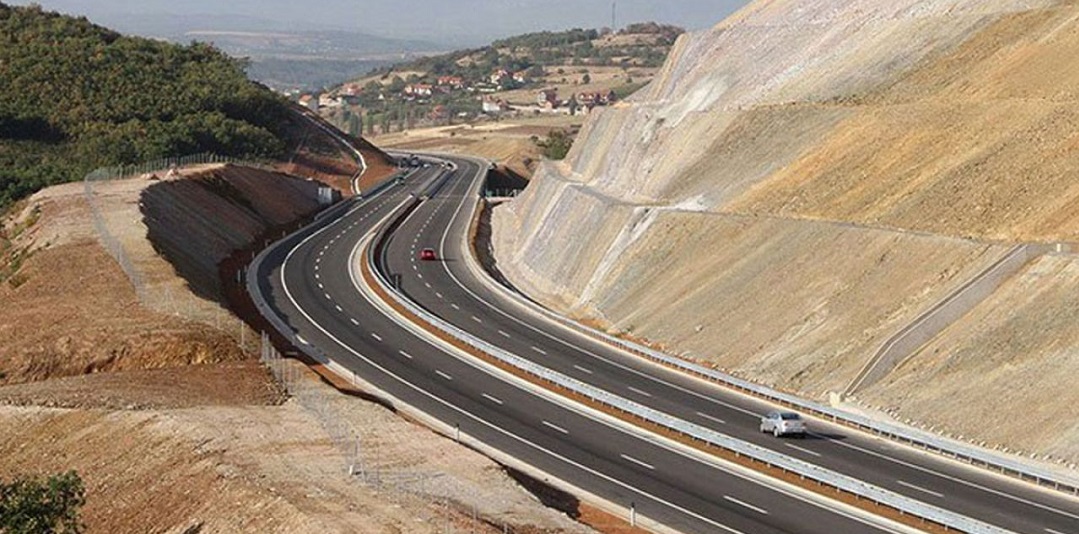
800,468
922,440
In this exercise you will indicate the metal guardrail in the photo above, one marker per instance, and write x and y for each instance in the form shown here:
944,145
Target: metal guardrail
948,448
958,451
771,458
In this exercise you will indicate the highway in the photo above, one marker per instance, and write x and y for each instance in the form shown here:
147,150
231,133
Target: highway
456,293
309,284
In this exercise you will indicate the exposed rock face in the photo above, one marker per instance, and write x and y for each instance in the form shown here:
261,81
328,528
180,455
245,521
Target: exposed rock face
807,177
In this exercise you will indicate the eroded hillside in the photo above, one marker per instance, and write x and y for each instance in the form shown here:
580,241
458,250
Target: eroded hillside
806,178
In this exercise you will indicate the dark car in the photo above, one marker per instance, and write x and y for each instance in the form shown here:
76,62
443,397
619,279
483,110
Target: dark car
428,254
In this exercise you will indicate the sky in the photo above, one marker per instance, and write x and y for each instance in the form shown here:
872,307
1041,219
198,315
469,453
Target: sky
458,22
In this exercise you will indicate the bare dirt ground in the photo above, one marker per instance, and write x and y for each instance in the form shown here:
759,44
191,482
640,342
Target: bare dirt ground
507,142
173,427
319,157
76,312
248,465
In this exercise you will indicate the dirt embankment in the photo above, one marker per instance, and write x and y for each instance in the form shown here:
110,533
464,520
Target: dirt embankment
148,395
320,157
511,142
781,210
75,312
210,453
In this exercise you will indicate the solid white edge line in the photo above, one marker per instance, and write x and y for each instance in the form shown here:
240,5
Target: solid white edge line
812,498
702,396
288,294
582,467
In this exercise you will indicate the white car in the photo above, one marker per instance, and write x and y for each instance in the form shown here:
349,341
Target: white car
783,423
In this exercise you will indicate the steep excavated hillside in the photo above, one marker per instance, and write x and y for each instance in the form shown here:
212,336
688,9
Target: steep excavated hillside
808,177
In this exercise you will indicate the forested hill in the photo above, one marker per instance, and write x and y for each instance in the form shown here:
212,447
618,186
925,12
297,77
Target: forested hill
75,96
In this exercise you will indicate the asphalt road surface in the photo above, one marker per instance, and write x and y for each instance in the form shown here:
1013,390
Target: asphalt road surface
307,282
449,289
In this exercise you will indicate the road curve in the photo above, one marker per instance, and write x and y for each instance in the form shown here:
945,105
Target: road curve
307,284
457,294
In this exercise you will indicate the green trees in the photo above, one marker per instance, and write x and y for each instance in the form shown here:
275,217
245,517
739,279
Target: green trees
39,506
557,145
75,96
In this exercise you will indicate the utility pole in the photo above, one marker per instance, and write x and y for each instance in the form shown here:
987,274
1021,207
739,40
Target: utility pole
614,16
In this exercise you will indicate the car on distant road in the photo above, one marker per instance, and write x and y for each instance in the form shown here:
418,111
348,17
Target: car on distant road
783,423
428,254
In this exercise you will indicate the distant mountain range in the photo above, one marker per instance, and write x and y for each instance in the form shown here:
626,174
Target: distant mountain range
301,57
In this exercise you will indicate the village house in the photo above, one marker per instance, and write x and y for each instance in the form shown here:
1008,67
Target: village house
452,82
495,106
330,101
548,98
419,89
499,76
309,101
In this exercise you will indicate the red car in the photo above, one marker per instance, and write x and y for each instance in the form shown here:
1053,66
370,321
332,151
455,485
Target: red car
428,254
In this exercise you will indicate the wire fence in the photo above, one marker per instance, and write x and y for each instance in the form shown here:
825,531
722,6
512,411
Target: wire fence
162,297
359,451
396,482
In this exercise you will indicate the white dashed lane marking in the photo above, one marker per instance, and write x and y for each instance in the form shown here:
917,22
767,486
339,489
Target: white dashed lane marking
807,451
636,461
919,488
711,418
746,505
492,399
555,427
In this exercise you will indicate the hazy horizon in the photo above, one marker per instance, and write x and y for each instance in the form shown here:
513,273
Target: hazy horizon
461,22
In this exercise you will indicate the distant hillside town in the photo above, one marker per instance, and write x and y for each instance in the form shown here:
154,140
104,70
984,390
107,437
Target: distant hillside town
566,73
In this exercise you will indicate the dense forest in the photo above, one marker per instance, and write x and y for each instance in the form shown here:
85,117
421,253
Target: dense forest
75,96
